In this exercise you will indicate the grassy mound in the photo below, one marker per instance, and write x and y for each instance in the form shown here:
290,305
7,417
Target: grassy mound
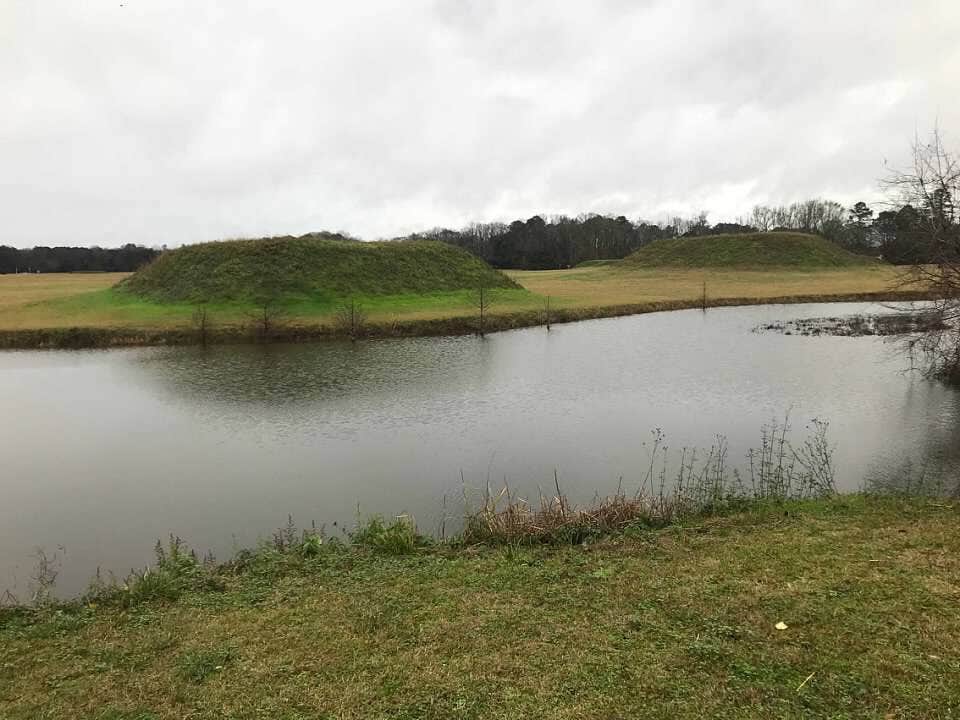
775,249
315,267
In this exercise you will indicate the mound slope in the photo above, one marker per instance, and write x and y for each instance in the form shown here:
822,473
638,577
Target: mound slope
773,249
317,267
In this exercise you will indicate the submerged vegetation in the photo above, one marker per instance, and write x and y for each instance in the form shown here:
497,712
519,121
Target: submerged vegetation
898,324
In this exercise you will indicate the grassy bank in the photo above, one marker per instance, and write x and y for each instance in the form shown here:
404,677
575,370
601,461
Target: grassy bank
87,311
680,621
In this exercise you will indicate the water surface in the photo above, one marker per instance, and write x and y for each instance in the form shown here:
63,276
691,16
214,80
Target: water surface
102,452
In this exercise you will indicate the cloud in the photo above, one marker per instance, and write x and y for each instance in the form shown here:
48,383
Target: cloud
172,121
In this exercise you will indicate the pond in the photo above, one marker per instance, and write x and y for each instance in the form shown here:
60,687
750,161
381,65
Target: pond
103,452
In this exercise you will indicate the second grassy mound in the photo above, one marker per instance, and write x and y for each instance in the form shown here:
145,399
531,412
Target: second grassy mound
751,250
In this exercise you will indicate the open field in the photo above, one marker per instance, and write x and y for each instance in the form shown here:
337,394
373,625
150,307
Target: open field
49,302
19,292
619,284
680,622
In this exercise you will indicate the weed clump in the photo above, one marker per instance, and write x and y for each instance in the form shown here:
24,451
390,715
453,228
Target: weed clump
176,571
198,665
399,537
699,485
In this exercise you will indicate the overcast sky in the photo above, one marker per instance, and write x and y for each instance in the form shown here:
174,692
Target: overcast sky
174,121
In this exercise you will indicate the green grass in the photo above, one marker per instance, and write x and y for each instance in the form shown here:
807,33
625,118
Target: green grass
599,263
754,250
198,665
118,308
678,622
308,269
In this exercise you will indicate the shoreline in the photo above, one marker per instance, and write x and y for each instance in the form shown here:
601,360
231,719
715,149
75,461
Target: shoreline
82,338
839,606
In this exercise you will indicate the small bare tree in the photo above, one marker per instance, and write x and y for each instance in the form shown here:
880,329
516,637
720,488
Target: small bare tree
483,306
930,187
266,318
201,323
351,319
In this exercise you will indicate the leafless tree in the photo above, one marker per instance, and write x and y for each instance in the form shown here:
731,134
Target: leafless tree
930,187
762,218
201,323
350,319
266,319
483,306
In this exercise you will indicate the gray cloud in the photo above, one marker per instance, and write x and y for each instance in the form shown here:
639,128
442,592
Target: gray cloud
170,121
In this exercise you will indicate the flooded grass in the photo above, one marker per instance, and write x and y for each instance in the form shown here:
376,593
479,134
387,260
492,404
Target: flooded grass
880,325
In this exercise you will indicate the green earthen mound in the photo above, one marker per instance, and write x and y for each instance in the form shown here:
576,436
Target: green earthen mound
753,250
311,267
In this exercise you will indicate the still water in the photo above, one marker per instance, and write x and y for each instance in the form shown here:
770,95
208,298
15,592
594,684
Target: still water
102,452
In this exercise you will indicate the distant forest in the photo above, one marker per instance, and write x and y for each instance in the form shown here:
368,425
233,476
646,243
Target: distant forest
561,242
74,259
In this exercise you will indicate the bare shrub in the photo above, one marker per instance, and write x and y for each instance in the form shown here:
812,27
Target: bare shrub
266,320
351,320
201,323
44,577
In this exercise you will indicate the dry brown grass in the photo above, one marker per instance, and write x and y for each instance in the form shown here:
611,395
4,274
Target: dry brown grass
601,286
17,291
555,519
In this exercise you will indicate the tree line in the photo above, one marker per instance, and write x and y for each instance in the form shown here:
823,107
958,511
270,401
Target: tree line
74,259
560,241
898,235
555,242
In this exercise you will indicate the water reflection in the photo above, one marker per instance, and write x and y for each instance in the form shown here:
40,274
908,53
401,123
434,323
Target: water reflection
930,463
293,374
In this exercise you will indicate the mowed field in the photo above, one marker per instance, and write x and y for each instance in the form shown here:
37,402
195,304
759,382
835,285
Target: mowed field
91,300
614,284
17,292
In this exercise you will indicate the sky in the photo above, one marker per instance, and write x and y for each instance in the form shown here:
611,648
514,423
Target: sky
178,121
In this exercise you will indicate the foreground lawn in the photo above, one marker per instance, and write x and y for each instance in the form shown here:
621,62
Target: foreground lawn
679,622
30,302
